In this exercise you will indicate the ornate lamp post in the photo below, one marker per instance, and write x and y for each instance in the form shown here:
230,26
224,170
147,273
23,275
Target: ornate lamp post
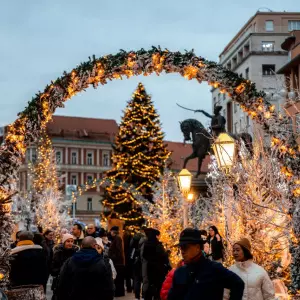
225,151
185,181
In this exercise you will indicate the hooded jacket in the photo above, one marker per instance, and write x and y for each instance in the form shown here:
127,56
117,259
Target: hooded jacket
85,276
258,285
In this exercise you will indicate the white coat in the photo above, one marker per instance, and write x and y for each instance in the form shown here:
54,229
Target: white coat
258,285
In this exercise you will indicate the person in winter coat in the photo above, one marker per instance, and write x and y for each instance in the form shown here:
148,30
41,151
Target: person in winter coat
116,254
258,285
155,265
136,263
107,260
78,234
215,244
61,253
85,275
201,278
29,262
91,231
168,282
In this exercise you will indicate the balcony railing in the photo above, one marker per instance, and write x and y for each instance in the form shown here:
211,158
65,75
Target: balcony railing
70,167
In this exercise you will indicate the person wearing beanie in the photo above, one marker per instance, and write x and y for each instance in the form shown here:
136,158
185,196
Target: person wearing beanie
201,278
62,252
258,285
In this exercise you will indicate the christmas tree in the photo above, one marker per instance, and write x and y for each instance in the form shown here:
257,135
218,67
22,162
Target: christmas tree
166,213
138,159
48,205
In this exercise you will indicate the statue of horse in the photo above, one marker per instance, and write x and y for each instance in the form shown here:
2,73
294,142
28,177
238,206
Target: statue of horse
200,141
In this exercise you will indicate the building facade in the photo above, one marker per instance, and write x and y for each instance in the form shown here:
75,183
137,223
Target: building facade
291,71
255,53
83,150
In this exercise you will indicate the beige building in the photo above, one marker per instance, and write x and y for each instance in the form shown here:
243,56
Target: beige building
256,54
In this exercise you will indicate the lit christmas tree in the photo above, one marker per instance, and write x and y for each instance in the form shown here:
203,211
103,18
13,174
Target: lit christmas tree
166,213
139,158
48,205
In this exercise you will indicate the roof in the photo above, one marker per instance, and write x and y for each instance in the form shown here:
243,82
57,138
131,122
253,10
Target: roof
179,152
287,67
82,128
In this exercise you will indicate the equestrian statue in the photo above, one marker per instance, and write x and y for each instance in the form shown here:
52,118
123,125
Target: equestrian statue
203,139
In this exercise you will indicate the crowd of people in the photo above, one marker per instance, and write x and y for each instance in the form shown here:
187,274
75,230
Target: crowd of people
96,264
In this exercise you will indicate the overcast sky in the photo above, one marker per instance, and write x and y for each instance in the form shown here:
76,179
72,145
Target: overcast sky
39,39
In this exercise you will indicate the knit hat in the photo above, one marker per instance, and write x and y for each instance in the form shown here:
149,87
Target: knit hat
244,243
66,237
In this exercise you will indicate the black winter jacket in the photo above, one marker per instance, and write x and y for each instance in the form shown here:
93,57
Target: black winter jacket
206,280
28,266
85,276
216,248
60,255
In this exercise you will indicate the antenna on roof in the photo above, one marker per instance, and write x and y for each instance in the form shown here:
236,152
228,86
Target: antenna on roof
261,9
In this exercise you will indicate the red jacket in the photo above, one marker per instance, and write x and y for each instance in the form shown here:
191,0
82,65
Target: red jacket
167,285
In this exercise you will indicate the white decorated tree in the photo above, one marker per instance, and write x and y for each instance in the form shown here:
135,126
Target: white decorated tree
252,202
47,201
166,213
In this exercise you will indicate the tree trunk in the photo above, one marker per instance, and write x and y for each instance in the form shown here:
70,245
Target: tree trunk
28,292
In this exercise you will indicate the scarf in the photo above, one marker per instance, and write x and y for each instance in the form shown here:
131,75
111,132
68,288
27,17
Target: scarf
25,243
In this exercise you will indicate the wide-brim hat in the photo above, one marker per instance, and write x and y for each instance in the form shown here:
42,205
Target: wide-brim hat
190,236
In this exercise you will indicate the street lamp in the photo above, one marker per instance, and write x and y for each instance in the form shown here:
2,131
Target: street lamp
225,151
185,181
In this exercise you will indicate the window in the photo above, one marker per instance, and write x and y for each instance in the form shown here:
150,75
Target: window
247,73
89,179
27,155
241,75
105,160
74,179
89,204
74,158
297,120
234,107
33,155
294,25
224,97
89,158
219,97
267,46
268,70
269,25
235,127
248,121
58,157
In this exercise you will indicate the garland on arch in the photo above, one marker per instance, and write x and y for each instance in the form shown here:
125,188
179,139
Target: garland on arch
30,122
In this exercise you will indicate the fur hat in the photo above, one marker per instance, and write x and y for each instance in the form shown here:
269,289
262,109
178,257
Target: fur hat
244,243
66,237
